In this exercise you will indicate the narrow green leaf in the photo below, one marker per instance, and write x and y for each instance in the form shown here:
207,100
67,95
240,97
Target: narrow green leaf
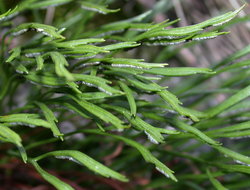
89,80
142,26
60,62
74,87
238,54
15,52
49,115
108,29
57,183
9,14
8,135
234,134
84,49
245,104
241,64
165,42
80,42
122,45
196,132
154,134
215,182
47,30
189,84
48,3
51,81
97,82
222,19
175,104
21,69
76,109
160,33
96,95
147,155
23,153
234,168
239,158
178,71
40,62
85,160
207,35
24,119
130,97
232,128
130,71
97,8
6,87
99,112
236,98
151,87
132,63
37,51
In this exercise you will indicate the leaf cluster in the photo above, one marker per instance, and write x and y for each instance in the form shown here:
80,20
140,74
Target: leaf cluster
86,78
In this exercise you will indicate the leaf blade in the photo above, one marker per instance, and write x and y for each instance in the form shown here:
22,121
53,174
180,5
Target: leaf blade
84,159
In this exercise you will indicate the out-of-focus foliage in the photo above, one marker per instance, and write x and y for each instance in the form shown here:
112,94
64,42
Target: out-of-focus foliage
75,87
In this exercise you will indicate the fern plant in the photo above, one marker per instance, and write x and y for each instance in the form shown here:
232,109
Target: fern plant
74,89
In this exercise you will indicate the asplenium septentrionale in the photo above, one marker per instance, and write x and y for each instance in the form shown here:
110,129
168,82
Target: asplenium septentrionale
72,89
